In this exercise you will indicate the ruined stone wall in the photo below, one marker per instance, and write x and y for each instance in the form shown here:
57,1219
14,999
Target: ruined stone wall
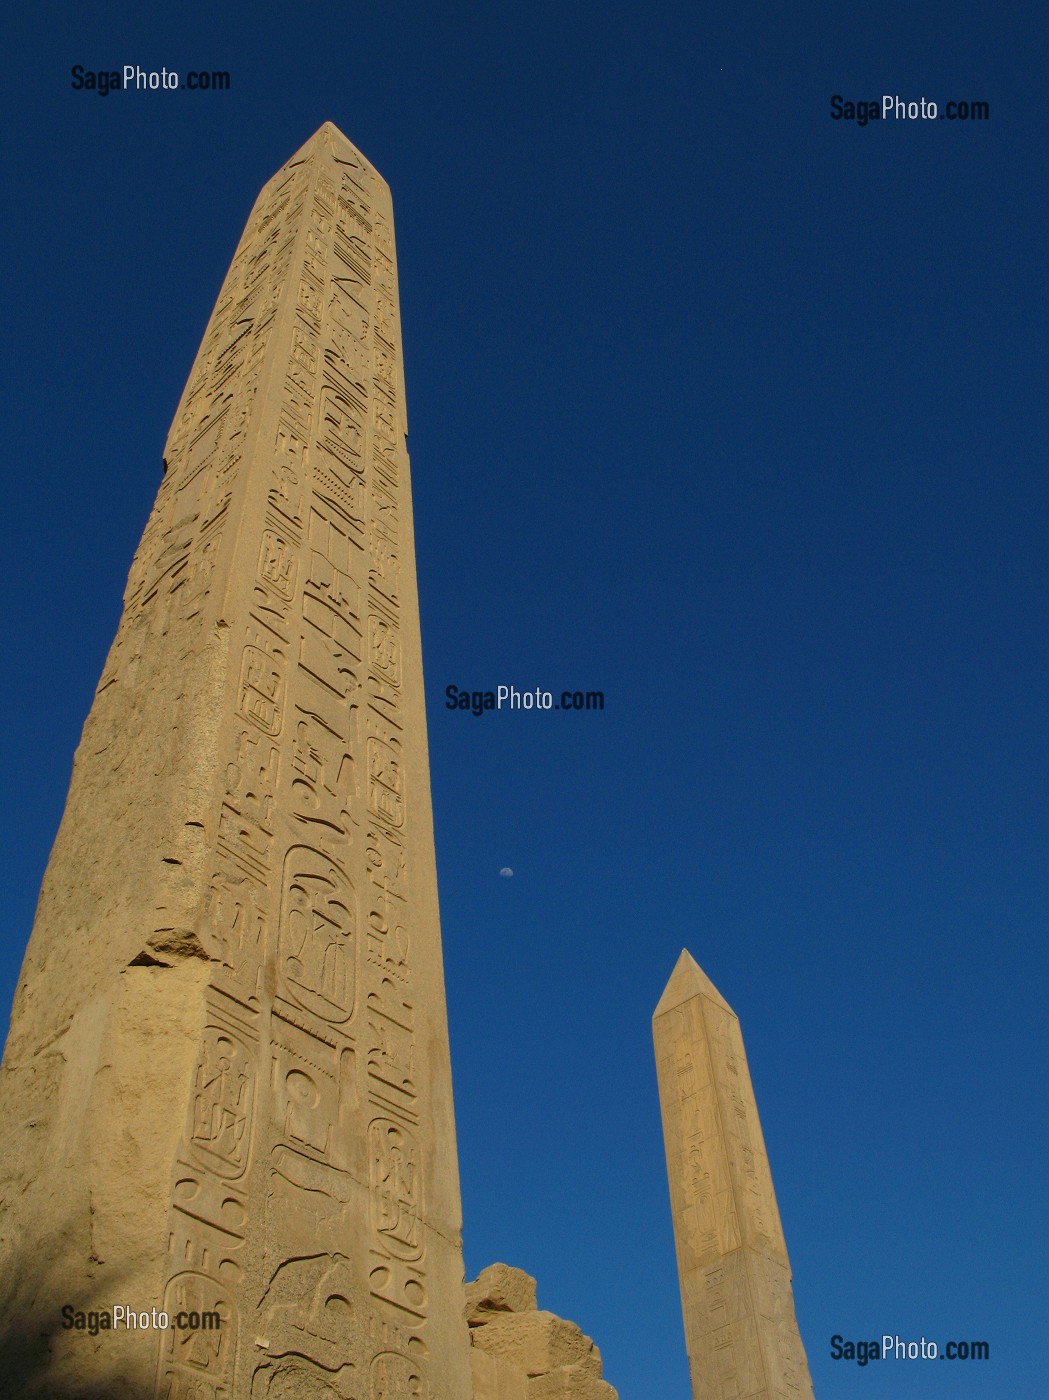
520,1353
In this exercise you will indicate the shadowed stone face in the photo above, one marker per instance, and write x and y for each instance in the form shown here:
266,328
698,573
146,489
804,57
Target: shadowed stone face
740,1327
226,1090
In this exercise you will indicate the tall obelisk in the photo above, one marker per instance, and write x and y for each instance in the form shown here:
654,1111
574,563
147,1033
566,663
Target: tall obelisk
740,1328
226,1088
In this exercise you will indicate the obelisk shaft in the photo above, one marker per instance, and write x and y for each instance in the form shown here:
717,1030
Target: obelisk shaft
231,1023
740,1327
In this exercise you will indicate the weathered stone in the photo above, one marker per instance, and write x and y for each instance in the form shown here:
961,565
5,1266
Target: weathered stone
496,1379
499,1288
569,1383
740,1326
226,1086
537,1342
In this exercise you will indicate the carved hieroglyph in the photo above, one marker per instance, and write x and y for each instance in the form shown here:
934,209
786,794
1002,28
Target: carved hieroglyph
740,1328
227,1086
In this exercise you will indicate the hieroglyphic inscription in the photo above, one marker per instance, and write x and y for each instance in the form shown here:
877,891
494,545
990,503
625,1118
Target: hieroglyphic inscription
182,541
396,1186
197,1364
314,1099
396,1377
212,1200
210,1204
388,943
222,1103
318,941
310,1096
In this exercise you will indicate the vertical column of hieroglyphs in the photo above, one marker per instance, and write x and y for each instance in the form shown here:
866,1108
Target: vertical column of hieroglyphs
321,1107
740,1327
107,1018
211,1207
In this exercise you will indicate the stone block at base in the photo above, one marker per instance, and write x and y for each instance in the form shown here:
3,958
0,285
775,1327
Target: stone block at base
569,1383
496,1379
538,1342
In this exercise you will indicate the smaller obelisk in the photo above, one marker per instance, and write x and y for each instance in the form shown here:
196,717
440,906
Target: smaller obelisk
740,1328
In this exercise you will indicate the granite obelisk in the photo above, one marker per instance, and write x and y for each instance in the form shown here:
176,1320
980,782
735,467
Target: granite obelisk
740,1328
226,1090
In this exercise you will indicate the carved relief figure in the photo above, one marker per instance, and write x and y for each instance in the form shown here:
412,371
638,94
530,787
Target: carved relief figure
318,935
385,782
261,688
197,1361
385,649
233,918
396,1378
222,1102
277,564
396,1185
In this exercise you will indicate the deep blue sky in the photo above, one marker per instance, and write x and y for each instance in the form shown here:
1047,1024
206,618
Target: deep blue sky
723,407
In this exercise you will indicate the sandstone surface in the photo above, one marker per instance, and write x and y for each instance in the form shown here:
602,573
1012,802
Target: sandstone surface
740,1326
226,1089
536,1355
